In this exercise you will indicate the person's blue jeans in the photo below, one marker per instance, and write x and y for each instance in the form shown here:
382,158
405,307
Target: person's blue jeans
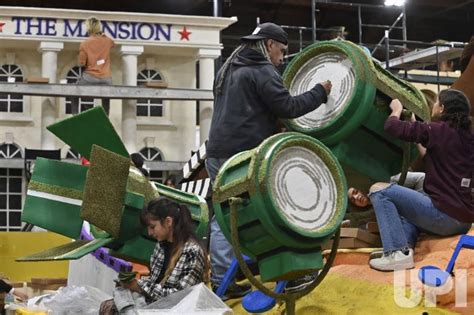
402,212
221,250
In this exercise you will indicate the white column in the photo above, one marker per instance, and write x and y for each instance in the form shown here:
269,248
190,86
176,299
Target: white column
49,67
206,81
129,112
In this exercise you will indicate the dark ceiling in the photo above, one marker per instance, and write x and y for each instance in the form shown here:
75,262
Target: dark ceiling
427,20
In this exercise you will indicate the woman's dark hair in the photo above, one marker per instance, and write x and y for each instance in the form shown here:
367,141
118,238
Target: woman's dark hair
183,227
170,180
456,109
137,159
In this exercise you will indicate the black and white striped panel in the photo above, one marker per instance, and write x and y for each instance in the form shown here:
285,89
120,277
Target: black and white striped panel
200,187
197,159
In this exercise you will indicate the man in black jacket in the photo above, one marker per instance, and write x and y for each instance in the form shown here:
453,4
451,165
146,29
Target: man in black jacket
249,98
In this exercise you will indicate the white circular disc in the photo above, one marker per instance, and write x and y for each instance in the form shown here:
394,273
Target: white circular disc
303,188
332,66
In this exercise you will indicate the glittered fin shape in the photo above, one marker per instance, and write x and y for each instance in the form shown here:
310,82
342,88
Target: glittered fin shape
73,250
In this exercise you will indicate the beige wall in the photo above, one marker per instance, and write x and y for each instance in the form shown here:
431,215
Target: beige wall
174,133
25,126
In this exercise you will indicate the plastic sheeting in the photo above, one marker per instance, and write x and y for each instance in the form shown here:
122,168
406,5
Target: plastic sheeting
90,271
197,299
71,300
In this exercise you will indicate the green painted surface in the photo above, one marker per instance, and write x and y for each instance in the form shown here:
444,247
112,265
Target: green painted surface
65,175
138,249
130,226
56,182
291,264
53,216
90,127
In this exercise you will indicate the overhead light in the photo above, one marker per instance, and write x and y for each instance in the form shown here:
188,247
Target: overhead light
396,3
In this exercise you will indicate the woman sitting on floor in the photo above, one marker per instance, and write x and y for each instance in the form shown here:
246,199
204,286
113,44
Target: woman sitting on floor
360,210
177,262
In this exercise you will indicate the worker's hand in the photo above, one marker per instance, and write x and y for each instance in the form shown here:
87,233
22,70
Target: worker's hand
396,107
20,295
412,118
131,285
327,85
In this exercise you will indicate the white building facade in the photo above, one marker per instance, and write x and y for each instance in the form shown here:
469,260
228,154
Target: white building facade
148,47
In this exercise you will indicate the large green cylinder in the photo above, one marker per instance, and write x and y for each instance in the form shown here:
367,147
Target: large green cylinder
294,194
351,122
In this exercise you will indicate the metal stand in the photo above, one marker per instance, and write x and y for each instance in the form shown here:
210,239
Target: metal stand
288,298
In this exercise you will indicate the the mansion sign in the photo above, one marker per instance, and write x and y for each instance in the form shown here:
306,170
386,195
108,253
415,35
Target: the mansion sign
72,28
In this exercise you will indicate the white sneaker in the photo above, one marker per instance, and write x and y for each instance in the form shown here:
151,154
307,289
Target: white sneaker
395,261
376,254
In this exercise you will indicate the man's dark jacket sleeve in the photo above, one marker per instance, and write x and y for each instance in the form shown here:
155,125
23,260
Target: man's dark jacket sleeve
279,101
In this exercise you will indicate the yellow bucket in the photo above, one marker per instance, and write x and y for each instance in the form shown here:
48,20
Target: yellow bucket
24,311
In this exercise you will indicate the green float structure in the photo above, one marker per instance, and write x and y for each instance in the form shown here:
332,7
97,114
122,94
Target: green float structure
351,122
294,198
109,194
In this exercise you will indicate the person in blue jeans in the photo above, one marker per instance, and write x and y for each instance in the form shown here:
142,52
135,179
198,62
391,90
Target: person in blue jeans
447,207
249,98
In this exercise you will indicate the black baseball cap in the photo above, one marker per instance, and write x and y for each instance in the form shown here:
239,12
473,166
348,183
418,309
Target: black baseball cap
268,31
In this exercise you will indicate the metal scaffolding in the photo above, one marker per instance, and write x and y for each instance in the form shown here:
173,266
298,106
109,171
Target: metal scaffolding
361,25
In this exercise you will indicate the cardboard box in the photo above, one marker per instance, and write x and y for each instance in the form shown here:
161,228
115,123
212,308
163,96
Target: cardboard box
157,84
372,227
362,235
347,243
37,80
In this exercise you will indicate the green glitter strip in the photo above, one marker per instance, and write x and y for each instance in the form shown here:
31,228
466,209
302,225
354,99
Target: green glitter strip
139,184
73,250
55,190
223,191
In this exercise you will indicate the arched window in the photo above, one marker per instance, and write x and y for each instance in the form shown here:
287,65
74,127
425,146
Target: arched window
147,107
10,151
8,102
72,77
153,154
11,185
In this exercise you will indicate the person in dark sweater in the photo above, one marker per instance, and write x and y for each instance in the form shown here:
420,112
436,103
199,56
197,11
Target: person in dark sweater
249,98
448,206
6,288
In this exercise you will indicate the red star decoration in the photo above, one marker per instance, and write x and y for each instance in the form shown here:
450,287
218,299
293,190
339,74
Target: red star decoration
1,27
184,33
